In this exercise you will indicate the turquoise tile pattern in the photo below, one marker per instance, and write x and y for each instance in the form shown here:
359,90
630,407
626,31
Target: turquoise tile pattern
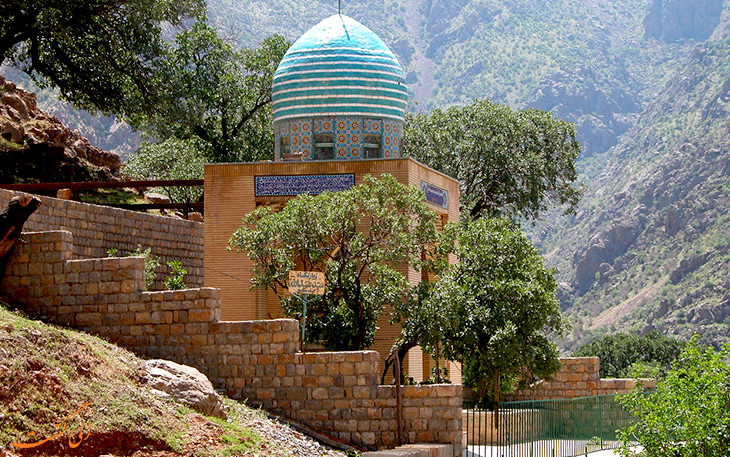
339,78
339,67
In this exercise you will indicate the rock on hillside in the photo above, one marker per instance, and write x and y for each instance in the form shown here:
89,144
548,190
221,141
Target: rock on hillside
37,147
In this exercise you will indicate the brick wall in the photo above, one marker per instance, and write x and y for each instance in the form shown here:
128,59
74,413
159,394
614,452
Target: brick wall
99,228
578,377
336,392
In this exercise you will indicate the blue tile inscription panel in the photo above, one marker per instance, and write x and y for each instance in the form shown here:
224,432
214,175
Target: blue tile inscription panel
435,195
269,186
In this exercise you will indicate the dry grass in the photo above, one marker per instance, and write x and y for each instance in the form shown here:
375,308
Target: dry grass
49,373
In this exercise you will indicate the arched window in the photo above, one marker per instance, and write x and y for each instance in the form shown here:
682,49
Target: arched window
324,146
284,147
371,146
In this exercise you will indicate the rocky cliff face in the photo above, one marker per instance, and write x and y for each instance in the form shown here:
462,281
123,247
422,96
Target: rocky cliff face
37,147
601,110
674,20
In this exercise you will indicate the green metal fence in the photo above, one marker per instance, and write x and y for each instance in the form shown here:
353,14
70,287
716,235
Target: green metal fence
544,428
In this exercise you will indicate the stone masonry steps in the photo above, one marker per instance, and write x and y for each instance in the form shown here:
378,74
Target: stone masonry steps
415,450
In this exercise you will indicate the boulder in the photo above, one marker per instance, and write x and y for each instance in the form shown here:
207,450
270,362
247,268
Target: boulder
154,197
688,265
195,217
185,384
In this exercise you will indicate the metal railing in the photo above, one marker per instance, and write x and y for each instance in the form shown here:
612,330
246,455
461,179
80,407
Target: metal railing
75,187
544,428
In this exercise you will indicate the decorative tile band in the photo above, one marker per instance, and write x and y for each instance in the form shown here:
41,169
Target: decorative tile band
350,134
268,186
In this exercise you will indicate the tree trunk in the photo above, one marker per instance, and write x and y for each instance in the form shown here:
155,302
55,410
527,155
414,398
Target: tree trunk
400,352
11,224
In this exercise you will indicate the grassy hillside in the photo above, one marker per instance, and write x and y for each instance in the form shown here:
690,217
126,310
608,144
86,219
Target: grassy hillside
49,374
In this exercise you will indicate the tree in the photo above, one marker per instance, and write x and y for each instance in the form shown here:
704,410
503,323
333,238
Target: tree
171,159
496,306
622,353
363,239
688,414
101,54
509,163
217,94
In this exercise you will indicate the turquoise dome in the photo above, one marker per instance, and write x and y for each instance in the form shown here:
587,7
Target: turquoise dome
339,68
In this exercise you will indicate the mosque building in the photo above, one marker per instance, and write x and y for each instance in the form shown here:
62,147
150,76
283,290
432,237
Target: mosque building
339,100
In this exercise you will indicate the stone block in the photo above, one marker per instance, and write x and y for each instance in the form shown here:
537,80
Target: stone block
88,319
361,392
199,315
320,393
144,317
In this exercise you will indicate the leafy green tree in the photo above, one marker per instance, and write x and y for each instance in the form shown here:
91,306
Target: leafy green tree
171,159
362,239
497,306
688,414
509,163
101,55
622,353
217,94
176,280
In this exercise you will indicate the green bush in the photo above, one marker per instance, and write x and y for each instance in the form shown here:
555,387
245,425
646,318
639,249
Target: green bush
176,279
688,414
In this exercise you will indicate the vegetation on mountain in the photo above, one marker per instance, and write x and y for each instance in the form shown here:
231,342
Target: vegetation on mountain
493,310
625,355
100,55
217,96
509,163
648,248
689,412
356,237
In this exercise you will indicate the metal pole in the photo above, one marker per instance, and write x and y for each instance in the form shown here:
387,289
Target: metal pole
304,318
305,300
399,401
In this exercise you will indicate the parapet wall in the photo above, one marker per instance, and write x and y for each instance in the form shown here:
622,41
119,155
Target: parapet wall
578,377
97,229
335,392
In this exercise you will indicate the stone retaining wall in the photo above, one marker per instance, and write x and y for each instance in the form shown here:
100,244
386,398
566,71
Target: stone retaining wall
335,392
97,229
578,377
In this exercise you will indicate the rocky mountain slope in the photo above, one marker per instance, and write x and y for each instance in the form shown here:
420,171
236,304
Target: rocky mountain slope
649,248
104,132
643,81
594,63
37,147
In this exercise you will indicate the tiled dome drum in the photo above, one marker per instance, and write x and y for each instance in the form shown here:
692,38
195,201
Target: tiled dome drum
339,93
